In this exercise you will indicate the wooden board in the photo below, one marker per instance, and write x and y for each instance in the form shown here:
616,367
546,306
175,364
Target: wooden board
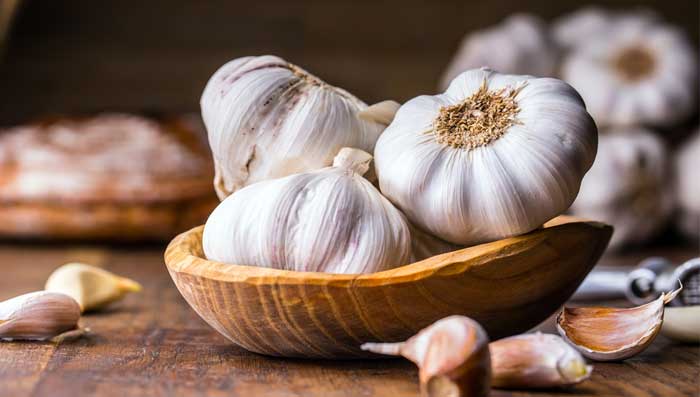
154,344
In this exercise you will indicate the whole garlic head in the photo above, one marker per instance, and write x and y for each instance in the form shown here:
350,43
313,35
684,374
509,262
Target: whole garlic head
267,118
626,186
494,156
635,70
331,220
522,44
687,165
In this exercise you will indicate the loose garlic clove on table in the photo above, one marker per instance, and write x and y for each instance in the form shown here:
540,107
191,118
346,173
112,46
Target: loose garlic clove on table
452,356
38,315
92,287
536,360
611,334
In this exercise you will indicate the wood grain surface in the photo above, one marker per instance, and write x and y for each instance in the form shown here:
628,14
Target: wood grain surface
154,344
508,286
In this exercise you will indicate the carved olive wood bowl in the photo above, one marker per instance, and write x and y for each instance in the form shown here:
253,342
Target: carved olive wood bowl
508,286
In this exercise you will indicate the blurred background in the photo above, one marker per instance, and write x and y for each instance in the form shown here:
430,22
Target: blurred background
79,57
65,56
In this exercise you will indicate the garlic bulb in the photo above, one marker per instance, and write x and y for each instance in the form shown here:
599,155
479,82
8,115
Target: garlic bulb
536,361
626,186
687,164
636,70
330,220
267,118
494,156
579,27
38,315
520,44
452,355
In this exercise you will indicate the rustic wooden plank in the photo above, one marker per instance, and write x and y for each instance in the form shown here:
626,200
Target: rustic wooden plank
153,344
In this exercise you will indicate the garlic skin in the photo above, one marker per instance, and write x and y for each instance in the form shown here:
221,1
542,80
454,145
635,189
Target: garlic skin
536,361
635,70
523,47
38,315
687,165
578,27
92,287
452,355
494,156
626,186
267,118
331,220
611,334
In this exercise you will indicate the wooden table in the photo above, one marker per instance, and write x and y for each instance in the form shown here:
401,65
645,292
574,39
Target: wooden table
153,344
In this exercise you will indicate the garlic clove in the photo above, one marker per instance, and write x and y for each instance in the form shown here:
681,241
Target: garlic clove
452,356
381,112
611,334
682,323
536,361
38,315
92,287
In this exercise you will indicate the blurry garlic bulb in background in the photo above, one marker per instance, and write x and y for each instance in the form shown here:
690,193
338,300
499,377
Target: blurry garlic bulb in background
518,45
267,118
626,186
687,165
636,70
580,26
330,220
494,156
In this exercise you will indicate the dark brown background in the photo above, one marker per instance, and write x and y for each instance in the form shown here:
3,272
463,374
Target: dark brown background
83,55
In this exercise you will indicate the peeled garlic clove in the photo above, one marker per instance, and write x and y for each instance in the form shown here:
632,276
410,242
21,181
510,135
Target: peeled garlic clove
381,112
90,286
682,323
38,316
452,356
611,334
536,361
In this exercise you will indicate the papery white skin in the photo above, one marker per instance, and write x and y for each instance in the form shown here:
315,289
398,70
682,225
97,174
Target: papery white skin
520,45
687,165
626,187
38,315
267,119
578,27
536,361
666,95
508,187
331,220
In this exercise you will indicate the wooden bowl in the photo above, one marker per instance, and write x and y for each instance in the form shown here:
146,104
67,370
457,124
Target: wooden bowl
508,286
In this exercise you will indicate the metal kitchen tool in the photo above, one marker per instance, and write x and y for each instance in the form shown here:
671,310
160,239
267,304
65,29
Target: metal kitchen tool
643,284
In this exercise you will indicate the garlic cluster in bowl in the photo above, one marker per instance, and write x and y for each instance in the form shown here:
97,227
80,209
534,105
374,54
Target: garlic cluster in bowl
495,156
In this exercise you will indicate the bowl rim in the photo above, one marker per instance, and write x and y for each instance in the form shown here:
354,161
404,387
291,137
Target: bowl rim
180,257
